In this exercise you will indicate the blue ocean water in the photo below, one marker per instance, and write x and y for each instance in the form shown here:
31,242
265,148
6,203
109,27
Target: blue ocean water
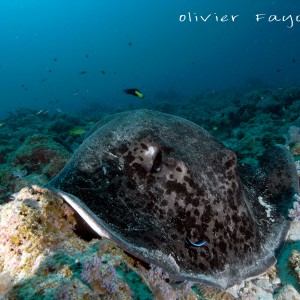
70,55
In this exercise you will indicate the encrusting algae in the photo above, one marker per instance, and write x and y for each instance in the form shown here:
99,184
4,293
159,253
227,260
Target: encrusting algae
34,227
40,253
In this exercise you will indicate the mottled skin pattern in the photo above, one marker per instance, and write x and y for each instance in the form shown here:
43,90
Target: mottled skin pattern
157,180
184,208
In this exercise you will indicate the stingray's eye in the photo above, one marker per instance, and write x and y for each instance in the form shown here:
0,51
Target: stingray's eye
157,162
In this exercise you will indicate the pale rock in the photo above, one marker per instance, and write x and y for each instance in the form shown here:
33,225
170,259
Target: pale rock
264,284
276,281
288,292
294,234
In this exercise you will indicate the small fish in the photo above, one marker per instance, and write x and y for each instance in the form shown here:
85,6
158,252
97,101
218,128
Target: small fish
294,60
43,80
129,44
77,131
76,92
189,242
134,92
103,72
55,59
1,123
42,112
87,56
82,72
278,70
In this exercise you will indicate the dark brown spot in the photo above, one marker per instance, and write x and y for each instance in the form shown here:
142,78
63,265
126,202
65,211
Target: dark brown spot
222,246
129,158
131,185
175,186
247,248
174,236
181,213
248,234
192,253
164,202
144,146
202,267
149,206
139,170
123,148
229,163
195,202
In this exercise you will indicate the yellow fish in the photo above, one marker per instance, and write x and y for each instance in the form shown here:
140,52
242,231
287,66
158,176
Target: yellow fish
134,92
77,131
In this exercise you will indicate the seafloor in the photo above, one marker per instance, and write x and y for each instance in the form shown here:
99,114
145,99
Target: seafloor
42,257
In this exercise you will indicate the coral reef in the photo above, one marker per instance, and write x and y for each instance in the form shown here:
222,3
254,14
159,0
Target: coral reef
237,116
36,160
40,154
34,147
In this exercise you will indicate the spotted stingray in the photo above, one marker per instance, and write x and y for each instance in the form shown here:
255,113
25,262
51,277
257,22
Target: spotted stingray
171,194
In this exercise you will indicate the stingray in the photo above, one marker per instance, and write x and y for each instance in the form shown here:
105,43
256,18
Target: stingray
170,194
